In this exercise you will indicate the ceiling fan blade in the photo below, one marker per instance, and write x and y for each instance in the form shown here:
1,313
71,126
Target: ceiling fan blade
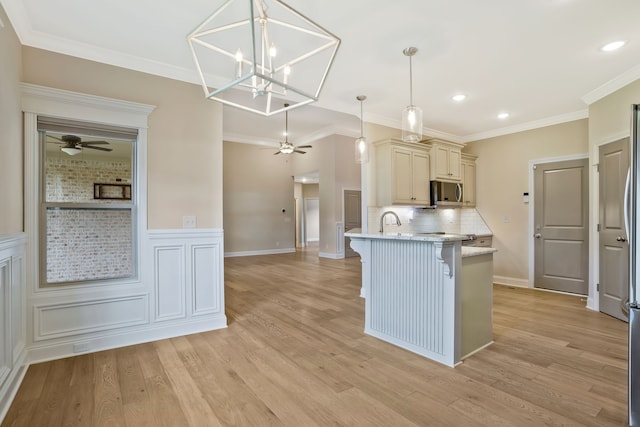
277,152
97,148
304,146
57,140
299,151
85,143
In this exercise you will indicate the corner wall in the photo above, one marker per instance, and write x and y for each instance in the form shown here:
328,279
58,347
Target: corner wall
11,160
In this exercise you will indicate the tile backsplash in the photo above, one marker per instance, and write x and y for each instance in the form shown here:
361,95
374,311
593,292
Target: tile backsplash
415,220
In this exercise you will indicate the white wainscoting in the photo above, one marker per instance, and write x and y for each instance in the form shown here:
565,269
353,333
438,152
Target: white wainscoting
61,320
12,317
180,291
188,274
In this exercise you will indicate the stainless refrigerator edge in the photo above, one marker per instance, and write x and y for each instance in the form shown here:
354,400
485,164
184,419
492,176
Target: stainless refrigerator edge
632,214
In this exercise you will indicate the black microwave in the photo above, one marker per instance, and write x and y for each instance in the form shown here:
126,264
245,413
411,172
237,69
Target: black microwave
446,194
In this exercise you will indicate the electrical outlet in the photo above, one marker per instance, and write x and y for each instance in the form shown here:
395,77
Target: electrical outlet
189,221
506,219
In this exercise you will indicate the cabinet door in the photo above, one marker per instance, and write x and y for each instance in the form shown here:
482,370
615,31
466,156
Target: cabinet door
454,164
402,176
441,163
469,184
420,182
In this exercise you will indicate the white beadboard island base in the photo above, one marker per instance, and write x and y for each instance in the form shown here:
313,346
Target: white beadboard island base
413,287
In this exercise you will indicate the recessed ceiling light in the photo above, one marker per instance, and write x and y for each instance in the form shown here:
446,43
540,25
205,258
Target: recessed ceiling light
610,47
459,98
503,116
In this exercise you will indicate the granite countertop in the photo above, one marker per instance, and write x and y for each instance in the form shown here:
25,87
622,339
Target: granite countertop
469,251
424,237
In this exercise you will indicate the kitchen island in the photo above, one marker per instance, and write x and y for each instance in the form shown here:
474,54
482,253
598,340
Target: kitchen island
418,296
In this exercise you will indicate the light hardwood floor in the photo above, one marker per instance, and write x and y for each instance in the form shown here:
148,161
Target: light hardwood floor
294,354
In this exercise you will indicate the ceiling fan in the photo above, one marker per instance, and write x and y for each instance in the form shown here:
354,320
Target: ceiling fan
72,144
286,147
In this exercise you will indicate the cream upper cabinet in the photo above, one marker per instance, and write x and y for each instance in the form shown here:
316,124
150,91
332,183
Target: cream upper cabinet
402,173
468,164
445,161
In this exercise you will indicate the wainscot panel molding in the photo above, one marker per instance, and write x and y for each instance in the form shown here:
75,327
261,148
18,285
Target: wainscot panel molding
180,292
61,320
188,270
12,316
169,282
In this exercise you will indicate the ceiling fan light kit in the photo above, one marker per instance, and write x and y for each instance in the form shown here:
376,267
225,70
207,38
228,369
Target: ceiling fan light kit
72,151
411,115
73,144
258,54
361,145
286,147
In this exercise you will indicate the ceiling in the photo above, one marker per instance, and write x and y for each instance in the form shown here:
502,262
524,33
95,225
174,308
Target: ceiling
538,60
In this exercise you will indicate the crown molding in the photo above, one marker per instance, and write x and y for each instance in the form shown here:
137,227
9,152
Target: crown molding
548,121
18,18
107,56
305,139
397,124
612,85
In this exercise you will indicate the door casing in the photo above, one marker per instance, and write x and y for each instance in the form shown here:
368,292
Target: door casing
531,240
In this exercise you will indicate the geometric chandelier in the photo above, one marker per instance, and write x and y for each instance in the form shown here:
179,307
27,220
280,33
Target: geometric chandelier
258,55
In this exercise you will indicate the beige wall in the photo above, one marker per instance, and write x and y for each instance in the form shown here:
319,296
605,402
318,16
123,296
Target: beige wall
257,186
310,191
184,160
502,176
610,117
11,160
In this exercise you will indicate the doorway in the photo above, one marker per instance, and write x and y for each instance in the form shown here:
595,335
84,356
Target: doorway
352,217
311,221
561,232
613,247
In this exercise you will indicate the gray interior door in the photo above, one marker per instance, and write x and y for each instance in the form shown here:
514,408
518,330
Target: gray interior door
613,247
352,217
561,197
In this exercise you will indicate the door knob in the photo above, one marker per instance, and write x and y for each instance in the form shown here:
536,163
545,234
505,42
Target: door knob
537,235
621,239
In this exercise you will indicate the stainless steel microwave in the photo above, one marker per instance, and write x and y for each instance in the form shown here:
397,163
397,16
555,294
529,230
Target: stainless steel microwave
446,194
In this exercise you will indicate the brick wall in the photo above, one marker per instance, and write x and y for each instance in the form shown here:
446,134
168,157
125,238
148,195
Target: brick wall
71,180
86,244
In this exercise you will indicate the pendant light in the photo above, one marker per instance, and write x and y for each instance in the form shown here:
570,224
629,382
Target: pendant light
411,115
361,144
253,54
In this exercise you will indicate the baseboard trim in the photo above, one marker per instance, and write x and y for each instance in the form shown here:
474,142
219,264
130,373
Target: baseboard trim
62,349
330,255
262,252
10,389
511,281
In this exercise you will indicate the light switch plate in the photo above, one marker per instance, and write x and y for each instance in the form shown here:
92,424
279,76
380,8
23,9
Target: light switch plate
189,221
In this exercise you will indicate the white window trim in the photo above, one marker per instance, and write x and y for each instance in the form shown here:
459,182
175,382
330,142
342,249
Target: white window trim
40,100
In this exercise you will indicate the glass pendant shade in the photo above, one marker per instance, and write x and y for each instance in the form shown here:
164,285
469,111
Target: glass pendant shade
412,124
362,150
411,115
361,144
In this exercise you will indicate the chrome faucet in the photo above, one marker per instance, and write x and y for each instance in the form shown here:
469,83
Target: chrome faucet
385,214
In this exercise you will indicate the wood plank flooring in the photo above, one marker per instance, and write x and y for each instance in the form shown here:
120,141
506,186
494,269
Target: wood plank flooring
294,354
